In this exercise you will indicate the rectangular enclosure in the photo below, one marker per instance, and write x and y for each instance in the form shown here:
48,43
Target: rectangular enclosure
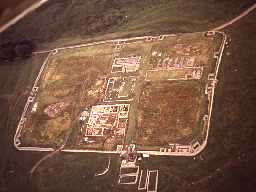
153,92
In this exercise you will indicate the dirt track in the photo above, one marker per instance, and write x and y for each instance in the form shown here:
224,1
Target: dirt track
243,14
12,11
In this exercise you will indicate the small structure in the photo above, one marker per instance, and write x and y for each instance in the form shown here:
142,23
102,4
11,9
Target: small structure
106,117
126,64
55,109
129,171
84,115
34,107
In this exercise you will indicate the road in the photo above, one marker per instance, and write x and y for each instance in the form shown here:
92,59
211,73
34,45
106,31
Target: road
243,14
15,11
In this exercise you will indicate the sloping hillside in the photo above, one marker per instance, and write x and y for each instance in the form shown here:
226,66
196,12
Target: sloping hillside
228,162
62,22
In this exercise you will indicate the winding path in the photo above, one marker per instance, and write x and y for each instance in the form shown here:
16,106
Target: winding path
25,12
243,14
105,170
49,155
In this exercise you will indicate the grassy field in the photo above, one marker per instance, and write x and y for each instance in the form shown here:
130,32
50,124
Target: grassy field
227,164
74,79
174,115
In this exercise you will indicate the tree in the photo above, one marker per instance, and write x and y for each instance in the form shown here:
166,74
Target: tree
24,49
10,51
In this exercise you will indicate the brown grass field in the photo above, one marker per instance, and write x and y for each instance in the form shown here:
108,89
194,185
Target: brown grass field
73,78
169,112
